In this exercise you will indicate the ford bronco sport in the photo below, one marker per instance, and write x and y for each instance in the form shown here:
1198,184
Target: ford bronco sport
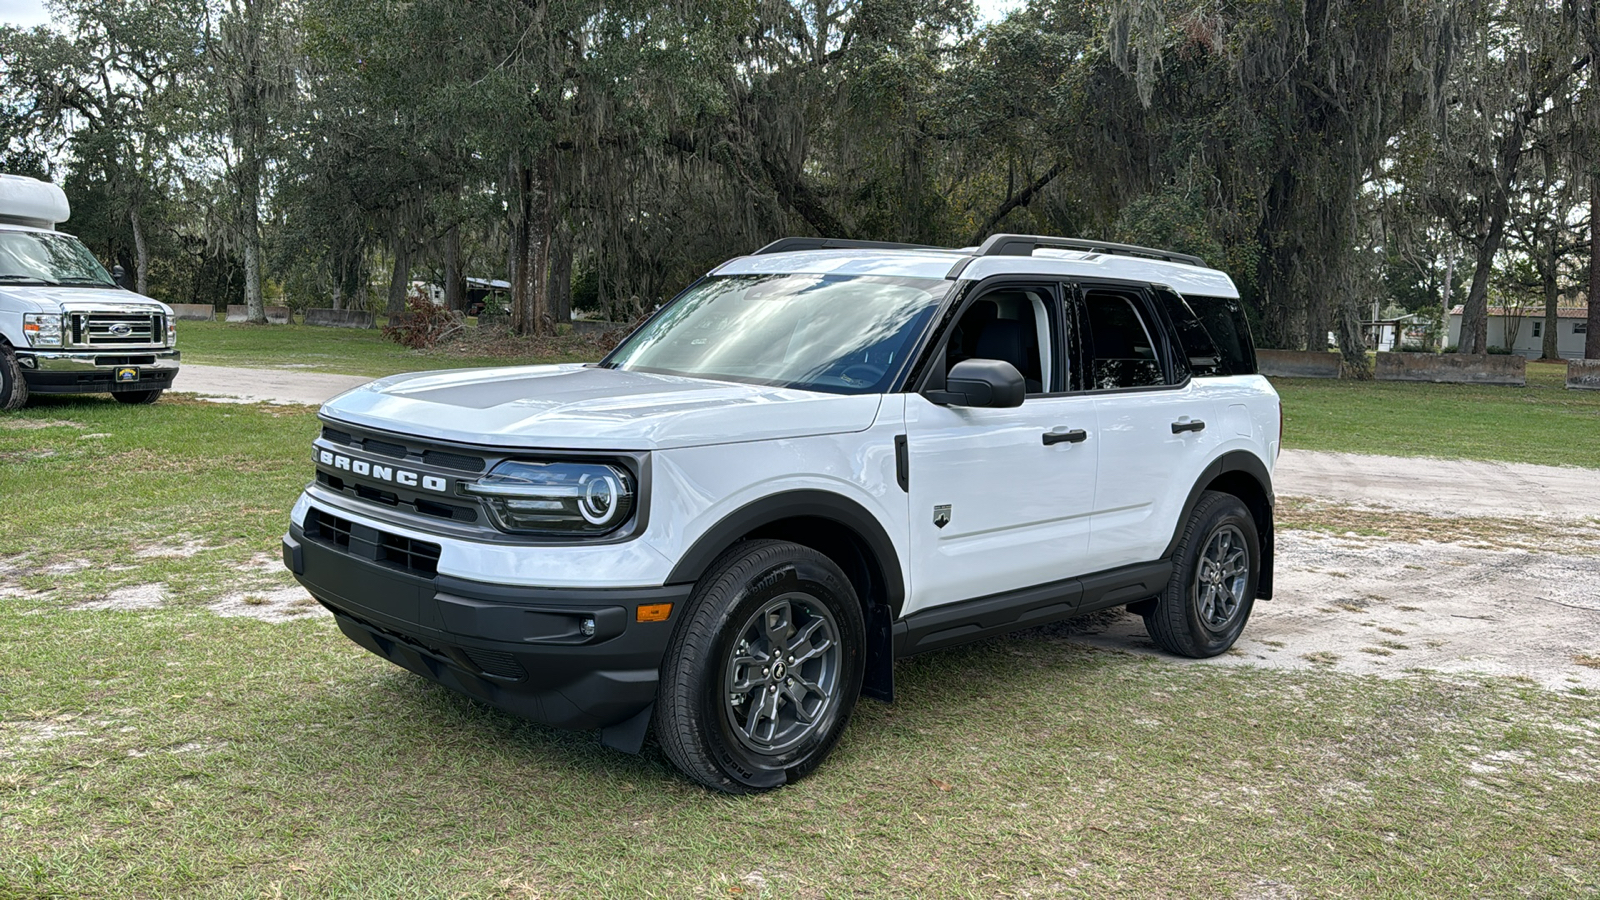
817,459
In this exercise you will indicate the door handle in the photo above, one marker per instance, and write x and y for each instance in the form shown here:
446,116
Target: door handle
1075,436
1187,424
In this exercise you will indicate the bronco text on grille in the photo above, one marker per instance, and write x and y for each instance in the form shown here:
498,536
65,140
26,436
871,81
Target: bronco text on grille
380,472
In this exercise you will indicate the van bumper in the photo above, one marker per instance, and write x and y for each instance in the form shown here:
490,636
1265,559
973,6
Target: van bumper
70,372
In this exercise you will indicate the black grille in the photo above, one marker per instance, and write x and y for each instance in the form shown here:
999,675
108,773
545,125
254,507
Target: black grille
389,498
412,555
328,528
496,663
456,461
394,550
338,437
384,448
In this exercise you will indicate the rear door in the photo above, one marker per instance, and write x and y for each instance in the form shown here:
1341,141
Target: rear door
1001,499
1157,429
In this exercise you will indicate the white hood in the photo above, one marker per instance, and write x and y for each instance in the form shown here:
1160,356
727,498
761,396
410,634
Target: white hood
584,408
48,299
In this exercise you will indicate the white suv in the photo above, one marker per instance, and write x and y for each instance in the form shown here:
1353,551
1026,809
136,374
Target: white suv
819,458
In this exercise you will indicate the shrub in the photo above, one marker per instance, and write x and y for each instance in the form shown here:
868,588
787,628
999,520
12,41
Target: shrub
422,325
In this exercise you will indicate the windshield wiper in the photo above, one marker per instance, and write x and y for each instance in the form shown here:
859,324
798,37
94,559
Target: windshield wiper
26,279
90,281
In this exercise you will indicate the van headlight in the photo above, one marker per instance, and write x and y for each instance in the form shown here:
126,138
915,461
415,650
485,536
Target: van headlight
42,330
557,498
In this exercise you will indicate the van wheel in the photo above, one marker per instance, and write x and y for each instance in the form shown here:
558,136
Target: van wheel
13,388
138,398
763,671
1213,585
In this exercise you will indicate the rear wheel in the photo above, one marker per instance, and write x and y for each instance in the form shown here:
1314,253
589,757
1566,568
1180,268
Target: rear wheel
13,388
1213,585
764,670
138,398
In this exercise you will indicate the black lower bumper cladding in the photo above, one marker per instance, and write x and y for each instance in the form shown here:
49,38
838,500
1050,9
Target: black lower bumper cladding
570,658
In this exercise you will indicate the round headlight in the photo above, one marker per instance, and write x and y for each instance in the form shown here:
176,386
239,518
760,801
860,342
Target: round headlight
557,497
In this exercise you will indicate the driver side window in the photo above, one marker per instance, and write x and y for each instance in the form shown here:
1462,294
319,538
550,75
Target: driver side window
1012,324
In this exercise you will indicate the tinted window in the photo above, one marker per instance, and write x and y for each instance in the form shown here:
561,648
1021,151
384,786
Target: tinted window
1120,342
1224,321
1200,354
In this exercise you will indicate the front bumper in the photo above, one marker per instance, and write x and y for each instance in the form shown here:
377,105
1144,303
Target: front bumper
518,648
80,372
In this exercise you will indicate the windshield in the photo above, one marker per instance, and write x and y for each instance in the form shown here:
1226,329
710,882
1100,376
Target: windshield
42,257
834,333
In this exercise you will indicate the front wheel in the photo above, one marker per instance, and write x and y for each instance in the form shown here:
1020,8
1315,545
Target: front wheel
13,388
1213,585
764,671
138,398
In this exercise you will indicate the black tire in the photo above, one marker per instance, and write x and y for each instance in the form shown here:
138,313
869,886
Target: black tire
1212,590
756,590
138,398
13,387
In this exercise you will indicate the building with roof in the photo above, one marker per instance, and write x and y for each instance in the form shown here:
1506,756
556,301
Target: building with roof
1522,330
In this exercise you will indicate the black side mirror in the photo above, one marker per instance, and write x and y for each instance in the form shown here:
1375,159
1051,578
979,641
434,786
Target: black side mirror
981,382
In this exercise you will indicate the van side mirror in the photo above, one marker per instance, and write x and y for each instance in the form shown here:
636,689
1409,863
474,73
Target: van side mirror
992,383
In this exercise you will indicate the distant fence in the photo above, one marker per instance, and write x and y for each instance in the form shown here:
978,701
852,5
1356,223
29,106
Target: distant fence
276,315
1459,368
193,312
1583,374
1298,363
341,318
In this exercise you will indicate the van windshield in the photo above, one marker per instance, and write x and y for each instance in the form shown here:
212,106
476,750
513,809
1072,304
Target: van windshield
833,333
42,257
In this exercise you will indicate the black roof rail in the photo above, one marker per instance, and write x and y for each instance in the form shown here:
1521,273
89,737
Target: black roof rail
1025,244
792,244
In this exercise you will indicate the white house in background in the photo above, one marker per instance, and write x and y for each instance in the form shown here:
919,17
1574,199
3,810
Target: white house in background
1527,330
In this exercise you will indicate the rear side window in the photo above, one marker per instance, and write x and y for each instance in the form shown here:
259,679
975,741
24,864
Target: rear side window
1223,320
1120,343
1200,354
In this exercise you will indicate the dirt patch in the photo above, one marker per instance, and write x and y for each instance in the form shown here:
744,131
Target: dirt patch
1376,606
285,604
139,596
35,424
182,550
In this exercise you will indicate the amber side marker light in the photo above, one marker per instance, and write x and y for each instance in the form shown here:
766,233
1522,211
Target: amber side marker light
654,612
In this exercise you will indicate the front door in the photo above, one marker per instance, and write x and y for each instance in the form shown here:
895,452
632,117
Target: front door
1001,499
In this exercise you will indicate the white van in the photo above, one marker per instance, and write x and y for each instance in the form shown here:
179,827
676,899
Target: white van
65,325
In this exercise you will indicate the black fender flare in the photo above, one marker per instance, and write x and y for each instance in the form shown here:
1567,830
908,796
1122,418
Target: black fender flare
880,613
816,504
1247,463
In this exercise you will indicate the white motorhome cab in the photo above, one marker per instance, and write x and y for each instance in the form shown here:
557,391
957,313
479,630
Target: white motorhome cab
65,325
819,458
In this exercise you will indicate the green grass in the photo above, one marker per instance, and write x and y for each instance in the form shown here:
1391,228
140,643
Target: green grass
349,351
1542,423
171,752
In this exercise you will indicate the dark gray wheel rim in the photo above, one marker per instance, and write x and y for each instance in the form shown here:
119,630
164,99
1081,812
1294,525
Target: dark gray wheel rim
1221,578
781,679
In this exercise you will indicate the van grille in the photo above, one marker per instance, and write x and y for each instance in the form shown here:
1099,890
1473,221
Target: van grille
117,329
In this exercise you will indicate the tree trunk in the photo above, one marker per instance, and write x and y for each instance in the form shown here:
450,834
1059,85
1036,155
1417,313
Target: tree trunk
521,255
1475,311
1552,296
561,276
1449,276
399,279
530,289
455,286
1591,342
141,253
